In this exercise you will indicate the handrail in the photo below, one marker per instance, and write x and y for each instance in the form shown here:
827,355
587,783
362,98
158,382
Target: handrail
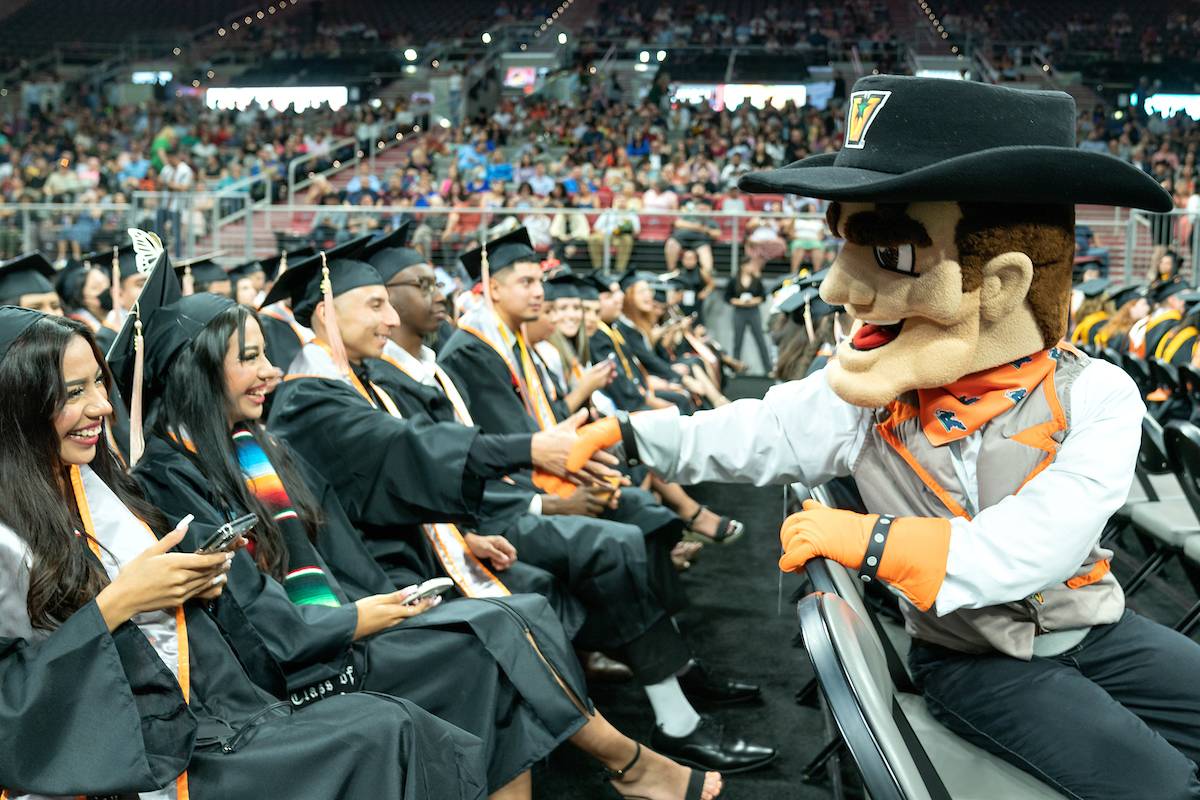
295,162
980,59
1048,70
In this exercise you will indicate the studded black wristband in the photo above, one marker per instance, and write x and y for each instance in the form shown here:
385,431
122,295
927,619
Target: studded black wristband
628,439
875,544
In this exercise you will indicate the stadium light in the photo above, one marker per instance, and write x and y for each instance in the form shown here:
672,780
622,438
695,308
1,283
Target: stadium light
562,38
221,32
211,74
235,26
644,56
270,9
176,51
410,54
662,55
445,123
487,38
261,15
435,64
410,69
249,20
524,46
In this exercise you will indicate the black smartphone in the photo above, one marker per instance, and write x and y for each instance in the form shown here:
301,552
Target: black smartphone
225,535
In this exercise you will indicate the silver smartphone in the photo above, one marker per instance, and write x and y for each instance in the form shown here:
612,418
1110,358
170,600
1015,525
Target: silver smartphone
225,535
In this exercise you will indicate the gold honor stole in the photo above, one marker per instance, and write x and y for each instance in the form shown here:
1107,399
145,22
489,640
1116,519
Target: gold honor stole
183,664
469,574
533,394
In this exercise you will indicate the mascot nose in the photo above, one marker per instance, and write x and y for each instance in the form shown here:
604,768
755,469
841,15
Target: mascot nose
842,286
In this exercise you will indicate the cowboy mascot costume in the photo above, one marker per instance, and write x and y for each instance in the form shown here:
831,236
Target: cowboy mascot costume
989,454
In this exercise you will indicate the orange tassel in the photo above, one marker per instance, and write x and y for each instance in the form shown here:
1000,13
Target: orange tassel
137,441
340,361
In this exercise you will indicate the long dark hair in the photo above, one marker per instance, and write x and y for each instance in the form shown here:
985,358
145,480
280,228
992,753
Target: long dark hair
34,499
194,402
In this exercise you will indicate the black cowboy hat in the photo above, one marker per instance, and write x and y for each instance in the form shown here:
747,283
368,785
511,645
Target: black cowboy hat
930,139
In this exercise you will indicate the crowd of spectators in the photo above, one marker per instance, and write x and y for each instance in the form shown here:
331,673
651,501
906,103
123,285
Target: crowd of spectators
800,25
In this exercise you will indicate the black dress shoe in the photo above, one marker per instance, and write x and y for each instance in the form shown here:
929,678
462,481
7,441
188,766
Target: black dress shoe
709,748
701,683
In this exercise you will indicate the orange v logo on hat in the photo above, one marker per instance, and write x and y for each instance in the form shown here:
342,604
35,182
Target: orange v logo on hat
864,107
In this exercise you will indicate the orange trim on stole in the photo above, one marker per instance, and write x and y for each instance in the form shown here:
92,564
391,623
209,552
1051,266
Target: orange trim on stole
184,664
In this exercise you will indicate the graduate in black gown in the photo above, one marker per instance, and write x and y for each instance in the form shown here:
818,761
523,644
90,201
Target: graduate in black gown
517,705
284,335
125,671
401,479
603,562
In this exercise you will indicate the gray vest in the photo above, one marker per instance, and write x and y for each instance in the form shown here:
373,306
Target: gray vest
1010,453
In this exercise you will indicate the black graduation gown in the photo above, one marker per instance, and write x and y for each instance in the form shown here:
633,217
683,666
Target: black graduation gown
426,659
392,475
603,563
282,345
624,390
496,407
86,712
651,360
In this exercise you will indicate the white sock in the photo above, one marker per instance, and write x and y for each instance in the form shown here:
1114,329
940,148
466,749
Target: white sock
672,711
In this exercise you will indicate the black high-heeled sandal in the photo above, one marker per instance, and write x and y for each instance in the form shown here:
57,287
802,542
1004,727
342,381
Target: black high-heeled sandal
729,530
695,787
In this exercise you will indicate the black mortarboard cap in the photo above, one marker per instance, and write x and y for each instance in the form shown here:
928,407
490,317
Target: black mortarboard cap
389,255
243,270
599,282
27,274
302,282
502,253
126,260
70,279
14,321
562,286
270,264
204,270
170,322
1165,290
1094,287
632,275
1127,293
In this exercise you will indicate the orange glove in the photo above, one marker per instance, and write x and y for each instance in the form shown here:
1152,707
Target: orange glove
914,556
552,484
593,437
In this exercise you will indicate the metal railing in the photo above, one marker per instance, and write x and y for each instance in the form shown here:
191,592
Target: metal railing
390,137
193,223
331,155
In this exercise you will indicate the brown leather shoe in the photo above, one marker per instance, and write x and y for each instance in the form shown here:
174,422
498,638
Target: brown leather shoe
602,669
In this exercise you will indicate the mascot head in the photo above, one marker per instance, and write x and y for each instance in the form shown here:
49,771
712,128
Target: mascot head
956,201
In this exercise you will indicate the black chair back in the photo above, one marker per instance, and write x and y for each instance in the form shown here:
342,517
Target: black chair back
1189,382
1139,370
1152,456
1181,442
1165,374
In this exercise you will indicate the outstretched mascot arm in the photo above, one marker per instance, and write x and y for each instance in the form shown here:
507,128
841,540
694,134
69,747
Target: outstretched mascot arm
801,431
1023,544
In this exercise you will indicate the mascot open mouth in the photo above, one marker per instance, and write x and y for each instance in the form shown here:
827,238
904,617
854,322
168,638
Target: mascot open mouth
876,333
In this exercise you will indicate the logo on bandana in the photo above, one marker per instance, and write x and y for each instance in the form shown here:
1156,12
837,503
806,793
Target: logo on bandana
1053,353
949,420
863,109
1020,362
1016,395
967,400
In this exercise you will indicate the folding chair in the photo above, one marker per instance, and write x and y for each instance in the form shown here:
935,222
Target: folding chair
901,752
1182,443
1139,370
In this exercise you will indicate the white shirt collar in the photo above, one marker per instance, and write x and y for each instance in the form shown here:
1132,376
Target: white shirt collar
423,368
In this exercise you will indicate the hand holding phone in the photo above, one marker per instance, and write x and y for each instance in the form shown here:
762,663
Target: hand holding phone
226,536
430,588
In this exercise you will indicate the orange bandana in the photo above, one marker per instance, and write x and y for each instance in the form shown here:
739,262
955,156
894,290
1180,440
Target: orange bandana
955,411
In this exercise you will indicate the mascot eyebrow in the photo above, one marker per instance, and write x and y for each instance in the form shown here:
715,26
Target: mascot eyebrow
887,226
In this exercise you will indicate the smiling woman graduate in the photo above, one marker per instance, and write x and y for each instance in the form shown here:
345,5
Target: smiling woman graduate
125,671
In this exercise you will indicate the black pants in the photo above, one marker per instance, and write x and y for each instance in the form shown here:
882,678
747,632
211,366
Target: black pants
744,318
1116,717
